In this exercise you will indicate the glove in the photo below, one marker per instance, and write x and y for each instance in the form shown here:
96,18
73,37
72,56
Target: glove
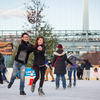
73,65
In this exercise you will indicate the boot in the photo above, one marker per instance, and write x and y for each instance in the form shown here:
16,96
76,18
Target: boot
33,88
9,85
97,78
74,84
69,85
40,91
22,93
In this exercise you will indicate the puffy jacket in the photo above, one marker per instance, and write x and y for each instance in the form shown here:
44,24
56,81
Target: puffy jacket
73,59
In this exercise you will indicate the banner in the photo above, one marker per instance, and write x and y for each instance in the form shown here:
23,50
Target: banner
28,72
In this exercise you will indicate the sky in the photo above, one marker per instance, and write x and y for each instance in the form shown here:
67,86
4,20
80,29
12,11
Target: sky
60,14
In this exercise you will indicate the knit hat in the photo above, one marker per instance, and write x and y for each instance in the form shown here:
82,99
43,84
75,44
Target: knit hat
60,46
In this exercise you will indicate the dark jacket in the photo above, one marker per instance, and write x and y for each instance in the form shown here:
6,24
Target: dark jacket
1,61
73,59
87,65
39,57
60,67
79,69
23,52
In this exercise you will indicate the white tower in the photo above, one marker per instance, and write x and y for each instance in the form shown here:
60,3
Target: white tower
85,15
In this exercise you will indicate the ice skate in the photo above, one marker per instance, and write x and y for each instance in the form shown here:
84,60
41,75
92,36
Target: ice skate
57,87
69,85
74,84
22,93
40,92
33,88
9,85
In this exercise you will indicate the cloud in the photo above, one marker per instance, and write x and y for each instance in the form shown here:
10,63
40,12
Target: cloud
10,13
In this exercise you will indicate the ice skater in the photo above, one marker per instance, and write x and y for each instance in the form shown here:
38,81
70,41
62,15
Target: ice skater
49,69
1,65
96,74
73,59
21,58
59,59
39,65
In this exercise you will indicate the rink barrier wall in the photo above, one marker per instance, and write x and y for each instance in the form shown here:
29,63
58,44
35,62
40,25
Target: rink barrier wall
28,73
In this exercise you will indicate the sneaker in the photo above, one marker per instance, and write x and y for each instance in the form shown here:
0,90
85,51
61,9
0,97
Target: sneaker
33,88
69,85
57,87
53,81
40,92
9,85
22,93
74,84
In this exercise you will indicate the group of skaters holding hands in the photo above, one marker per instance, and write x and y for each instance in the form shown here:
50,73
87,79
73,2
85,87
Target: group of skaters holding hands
42,65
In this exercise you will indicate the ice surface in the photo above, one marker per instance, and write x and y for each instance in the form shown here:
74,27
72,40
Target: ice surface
85,90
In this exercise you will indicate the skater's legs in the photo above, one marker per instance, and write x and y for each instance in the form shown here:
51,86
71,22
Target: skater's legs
63,80
57,80
14,73
51,74
1,81
74,74
22,76
42,70
88,74
37,74
47,71
70,75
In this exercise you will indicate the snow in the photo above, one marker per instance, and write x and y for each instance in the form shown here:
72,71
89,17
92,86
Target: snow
85,90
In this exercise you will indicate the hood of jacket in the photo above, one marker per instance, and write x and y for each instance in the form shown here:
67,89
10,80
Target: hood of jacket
59,53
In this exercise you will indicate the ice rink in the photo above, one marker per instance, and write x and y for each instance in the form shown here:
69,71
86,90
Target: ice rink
85,90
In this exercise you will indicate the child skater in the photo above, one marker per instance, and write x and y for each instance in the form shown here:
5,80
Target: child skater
96,74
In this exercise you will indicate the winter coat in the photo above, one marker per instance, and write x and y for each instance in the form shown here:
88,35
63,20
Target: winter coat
39,57
79,69
23,52
60,67
1,61
73,59
87,65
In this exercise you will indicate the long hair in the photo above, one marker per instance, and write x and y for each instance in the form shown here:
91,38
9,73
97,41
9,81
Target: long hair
36,41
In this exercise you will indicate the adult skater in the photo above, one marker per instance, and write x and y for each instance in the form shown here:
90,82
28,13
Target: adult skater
87,66
21,58
73,59
1,65
39,64
59,59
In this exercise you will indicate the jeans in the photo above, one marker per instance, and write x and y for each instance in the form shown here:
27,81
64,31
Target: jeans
70,75
63,80
22,73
